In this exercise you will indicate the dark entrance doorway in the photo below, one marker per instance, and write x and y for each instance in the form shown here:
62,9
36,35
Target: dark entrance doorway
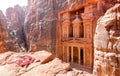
82,56
75,54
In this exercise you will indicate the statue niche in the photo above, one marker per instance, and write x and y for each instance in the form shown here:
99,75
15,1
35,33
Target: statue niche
78,29
72,29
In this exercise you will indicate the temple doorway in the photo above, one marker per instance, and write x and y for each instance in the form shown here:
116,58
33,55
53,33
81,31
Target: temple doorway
75,55
82,56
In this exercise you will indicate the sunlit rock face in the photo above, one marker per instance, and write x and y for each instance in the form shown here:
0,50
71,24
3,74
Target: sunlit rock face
15,26
107,44
40,24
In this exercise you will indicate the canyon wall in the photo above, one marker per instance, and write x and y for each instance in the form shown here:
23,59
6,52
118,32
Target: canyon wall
40,24
107,44
15,26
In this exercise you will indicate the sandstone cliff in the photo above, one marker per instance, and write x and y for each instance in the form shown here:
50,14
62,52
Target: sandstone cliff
15,27
107,44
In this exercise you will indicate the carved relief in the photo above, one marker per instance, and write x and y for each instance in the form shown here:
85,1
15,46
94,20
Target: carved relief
77,27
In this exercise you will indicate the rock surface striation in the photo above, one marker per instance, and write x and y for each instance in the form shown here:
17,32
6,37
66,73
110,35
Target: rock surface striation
107,44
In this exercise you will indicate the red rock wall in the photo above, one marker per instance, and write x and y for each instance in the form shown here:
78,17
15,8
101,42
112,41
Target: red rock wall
15,26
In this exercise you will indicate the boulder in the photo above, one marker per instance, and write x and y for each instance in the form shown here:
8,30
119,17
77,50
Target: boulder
42,56
44,64
9,70
4,57
27,62
52,68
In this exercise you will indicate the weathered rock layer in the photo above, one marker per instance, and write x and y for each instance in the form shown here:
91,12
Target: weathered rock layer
107,43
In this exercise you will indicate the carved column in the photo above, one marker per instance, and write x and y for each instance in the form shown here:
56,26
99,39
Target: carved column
84,56
68,53
66,25
88,31
63,53
72,55
77,29
91,57
79,61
